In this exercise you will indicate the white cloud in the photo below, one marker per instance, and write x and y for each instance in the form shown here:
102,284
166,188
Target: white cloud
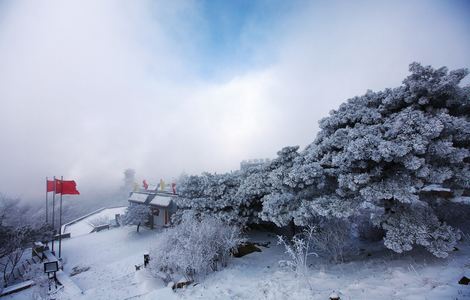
89,88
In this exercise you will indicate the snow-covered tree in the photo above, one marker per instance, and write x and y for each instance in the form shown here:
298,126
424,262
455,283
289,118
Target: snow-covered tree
16,235
376,156
136,214
281,201
254,186
378,152
212,195
244,197
11,252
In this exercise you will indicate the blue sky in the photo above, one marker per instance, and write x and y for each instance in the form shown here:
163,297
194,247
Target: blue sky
219,38
235,29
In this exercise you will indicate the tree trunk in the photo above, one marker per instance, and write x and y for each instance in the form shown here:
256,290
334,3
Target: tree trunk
5,278
292,227
138,226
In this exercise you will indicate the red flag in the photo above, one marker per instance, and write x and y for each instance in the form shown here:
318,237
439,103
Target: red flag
146,185
50,186
58,186
66,187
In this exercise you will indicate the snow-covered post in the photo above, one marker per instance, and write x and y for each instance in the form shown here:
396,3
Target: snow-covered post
146,259
334,296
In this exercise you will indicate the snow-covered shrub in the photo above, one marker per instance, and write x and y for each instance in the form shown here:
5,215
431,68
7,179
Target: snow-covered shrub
332,239
193,248
299,248
136,214
35,272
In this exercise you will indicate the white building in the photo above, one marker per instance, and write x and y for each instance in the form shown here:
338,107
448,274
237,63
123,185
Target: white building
246,164
162,205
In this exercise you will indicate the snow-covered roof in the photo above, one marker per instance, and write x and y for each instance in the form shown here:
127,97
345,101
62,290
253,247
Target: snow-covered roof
162,201
435,188
153,187
138,197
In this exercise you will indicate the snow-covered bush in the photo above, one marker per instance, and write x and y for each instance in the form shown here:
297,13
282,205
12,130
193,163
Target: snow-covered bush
193,248
136,214
299,249
332,238
35,272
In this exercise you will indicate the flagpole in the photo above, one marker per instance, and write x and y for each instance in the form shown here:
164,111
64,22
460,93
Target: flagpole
46,201
60,215
53,216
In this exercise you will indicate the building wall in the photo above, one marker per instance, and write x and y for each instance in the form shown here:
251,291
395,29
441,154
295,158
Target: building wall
160,219
246,164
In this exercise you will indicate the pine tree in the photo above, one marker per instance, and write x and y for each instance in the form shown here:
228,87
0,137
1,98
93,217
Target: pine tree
378,152
136,214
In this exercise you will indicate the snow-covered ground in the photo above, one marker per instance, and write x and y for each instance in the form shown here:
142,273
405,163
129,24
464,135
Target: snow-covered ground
382,275
112,254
